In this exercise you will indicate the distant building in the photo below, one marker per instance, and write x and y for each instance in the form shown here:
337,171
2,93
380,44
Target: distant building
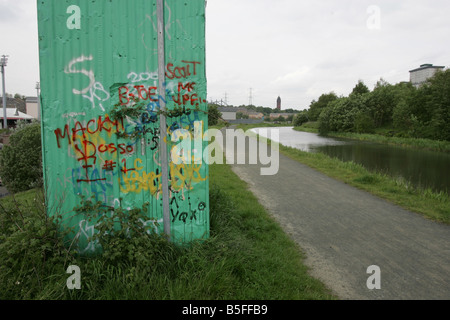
13,115
274,116
279,103
32,107
420,75
255,115
228,113
14,103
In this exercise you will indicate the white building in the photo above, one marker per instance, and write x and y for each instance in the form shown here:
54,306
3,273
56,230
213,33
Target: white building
32,107
13,115
420,75
228,113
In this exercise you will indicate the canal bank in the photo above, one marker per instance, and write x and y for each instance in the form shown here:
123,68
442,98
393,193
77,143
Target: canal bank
431,204
422,168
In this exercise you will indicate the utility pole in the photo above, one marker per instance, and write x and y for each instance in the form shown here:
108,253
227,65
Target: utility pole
3,63
162,118
38,87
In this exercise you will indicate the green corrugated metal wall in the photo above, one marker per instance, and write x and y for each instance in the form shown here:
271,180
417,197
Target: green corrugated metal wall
94,56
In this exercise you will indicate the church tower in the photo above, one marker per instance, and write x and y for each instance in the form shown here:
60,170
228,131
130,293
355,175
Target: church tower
279,103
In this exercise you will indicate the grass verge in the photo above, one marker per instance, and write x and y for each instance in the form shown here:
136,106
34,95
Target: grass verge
248,256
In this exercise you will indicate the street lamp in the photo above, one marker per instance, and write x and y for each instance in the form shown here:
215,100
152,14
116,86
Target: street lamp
3,62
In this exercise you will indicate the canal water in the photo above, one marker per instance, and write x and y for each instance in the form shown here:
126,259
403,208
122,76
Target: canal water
425,169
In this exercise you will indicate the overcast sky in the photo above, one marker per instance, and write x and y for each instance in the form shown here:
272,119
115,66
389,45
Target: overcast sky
296,49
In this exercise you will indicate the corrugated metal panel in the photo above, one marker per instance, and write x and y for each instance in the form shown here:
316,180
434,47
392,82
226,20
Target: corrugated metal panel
93,56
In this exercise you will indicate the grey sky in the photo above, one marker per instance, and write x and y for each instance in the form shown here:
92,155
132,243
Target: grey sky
297,49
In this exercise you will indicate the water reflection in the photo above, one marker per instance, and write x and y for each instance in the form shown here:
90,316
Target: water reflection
304,141
422,168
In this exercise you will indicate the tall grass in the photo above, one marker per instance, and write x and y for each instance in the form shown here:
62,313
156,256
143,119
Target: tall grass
248,256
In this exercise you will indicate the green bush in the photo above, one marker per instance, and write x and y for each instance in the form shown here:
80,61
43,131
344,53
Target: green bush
364,123
214,115
21,161
33,255
300,119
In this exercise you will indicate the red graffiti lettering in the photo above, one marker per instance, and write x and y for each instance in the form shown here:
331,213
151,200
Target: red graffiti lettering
105,124
143,94
182,71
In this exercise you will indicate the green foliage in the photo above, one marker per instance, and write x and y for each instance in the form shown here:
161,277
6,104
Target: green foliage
360,88
318,106
241,115
364,123
340,114
31,248
410,112
123,235
21,161
248,256
214,115
301,118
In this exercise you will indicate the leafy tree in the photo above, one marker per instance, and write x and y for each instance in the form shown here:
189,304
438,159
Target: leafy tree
364,123
381,102
340,114
213,114
316,107
21,161
301,118
241,115
360,88
438,105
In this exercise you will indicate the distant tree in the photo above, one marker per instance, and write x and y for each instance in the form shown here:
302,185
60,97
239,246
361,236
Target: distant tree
360,88
381,103
316,107
241,115
438,106
301,118
19,96
21,161
213,114
364,123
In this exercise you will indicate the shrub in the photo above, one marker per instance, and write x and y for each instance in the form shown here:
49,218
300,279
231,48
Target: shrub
300,119
364,123
21,161
214,115
33,255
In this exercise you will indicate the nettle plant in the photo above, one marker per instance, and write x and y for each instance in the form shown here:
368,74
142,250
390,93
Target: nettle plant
123,234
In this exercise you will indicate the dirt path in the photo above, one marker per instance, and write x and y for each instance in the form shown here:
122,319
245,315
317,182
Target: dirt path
343,231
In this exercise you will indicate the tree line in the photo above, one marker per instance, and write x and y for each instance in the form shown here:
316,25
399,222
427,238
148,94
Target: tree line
402,109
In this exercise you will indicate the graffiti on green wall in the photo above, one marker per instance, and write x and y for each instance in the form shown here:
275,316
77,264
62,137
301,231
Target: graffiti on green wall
101,111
